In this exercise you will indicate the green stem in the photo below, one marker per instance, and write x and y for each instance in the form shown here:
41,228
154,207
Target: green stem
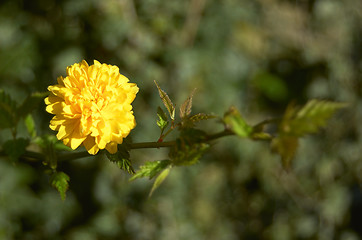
151,145
31,156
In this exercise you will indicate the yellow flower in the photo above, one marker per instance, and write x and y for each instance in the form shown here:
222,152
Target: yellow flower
92,105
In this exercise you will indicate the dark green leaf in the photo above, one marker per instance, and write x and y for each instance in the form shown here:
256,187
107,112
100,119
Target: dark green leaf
60,181
49,143
236,123
151,169
8,116
30,103
15,148
188,150
162,121
160,178
122,159
166,101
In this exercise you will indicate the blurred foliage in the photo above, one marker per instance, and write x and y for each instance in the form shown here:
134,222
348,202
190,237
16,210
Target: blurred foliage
256,55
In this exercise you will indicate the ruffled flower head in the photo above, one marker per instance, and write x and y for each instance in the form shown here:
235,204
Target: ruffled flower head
92,105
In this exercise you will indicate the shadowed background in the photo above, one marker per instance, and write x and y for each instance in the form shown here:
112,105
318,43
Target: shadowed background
255,55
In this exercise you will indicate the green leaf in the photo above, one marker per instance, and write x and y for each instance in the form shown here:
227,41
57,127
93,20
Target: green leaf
151,169
60,181
187,151
15,148
185,109
309,118
271,86
160,178
166,101
162,121
30,125
49,145
200,117
122,159
8,118
30,103
236,123
286,147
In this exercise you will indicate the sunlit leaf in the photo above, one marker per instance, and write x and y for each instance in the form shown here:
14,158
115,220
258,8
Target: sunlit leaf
160,178
236,123
166,101
150,169
60,181
162,121
309,118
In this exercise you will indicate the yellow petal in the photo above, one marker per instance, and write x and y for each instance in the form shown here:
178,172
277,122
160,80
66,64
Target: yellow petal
91,146
75,140
112,147
65,131
55,108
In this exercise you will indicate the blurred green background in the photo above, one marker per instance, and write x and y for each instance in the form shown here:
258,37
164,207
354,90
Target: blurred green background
255,55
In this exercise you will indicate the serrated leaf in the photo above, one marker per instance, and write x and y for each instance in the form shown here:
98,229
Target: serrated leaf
15,148
7,111
122,159
162,121
189,148
30,103
150,169
286,147
200,117
166,101
30,125
236,123
160,178
60,181
309,118
185,109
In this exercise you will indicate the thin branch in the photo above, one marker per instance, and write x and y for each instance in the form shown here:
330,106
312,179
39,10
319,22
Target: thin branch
37,156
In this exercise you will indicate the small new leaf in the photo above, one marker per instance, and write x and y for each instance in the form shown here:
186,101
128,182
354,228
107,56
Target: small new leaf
8,116
122,159
151,169
162,121
308,119
236,123
160,178
185,109
60,181
166,101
